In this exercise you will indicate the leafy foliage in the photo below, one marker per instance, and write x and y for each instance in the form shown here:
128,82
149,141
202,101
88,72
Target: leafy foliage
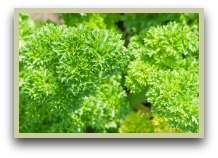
167,63
161,125
137,123
66,64
135,23
102,111
90,74
26,28
94,20
140,122
191,20
175,96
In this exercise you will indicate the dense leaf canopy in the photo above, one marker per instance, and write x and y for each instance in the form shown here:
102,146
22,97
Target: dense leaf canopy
102,72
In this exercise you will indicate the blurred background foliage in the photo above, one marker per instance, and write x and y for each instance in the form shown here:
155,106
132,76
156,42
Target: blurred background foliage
122,101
